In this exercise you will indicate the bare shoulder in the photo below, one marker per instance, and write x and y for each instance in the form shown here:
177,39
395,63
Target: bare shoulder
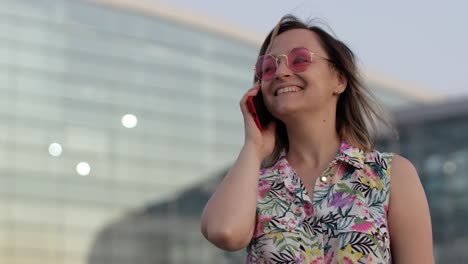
402,168
408,215
406,188
405,181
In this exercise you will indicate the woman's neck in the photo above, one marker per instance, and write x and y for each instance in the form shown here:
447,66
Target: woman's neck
313,141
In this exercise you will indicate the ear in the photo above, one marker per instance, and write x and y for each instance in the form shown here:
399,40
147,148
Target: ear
342,82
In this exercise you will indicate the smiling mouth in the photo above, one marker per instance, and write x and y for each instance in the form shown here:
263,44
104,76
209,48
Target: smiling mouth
290,89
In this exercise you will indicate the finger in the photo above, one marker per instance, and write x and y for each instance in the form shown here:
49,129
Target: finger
243,102
251,92
243,105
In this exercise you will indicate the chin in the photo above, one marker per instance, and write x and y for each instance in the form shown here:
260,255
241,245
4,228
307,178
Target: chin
285,111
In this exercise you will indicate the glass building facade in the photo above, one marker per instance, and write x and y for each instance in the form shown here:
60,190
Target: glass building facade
435,139
116,117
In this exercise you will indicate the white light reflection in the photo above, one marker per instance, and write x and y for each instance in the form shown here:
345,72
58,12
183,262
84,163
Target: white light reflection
55,149
129,121
83,168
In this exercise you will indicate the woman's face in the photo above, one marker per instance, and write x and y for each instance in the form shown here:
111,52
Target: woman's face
307,91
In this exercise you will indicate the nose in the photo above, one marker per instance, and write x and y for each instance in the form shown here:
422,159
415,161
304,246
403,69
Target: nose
282,70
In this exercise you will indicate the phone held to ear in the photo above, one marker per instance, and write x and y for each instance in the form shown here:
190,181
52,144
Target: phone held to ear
259,111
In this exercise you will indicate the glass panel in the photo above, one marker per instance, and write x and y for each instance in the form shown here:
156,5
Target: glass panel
69,71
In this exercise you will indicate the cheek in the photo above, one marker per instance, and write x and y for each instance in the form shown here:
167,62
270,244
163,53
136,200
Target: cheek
266,90
319,81
264,86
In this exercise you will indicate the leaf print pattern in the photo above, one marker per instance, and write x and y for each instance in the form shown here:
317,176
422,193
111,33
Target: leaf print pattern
343,221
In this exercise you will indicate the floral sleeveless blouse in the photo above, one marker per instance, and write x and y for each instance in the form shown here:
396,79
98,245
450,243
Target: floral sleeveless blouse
345,222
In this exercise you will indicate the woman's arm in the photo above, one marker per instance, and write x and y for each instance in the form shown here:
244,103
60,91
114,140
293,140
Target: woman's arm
228,219
229,216
408,216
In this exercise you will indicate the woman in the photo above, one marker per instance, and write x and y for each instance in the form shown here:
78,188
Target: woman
323,193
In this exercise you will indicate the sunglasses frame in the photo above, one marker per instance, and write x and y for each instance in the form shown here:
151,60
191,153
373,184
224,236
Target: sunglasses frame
276,58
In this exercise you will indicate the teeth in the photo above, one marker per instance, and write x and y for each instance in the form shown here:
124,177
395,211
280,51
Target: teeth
287,90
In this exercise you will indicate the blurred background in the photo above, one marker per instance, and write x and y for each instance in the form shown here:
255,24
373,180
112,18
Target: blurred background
120,117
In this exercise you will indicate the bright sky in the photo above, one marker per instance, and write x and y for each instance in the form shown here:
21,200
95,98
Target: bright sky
421,42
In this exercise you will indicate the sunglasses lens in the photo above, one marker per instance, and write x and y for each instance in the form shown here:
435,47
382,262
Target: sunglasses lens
299,59
269,67
258,67
265,68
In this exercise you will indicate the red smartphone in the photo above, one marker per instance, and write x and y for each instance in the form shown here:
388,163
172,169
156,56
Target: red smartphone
259,111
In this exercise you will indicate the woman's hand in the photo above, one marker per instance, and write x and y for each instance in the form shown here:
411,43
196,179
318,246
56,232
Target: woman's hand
262,141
